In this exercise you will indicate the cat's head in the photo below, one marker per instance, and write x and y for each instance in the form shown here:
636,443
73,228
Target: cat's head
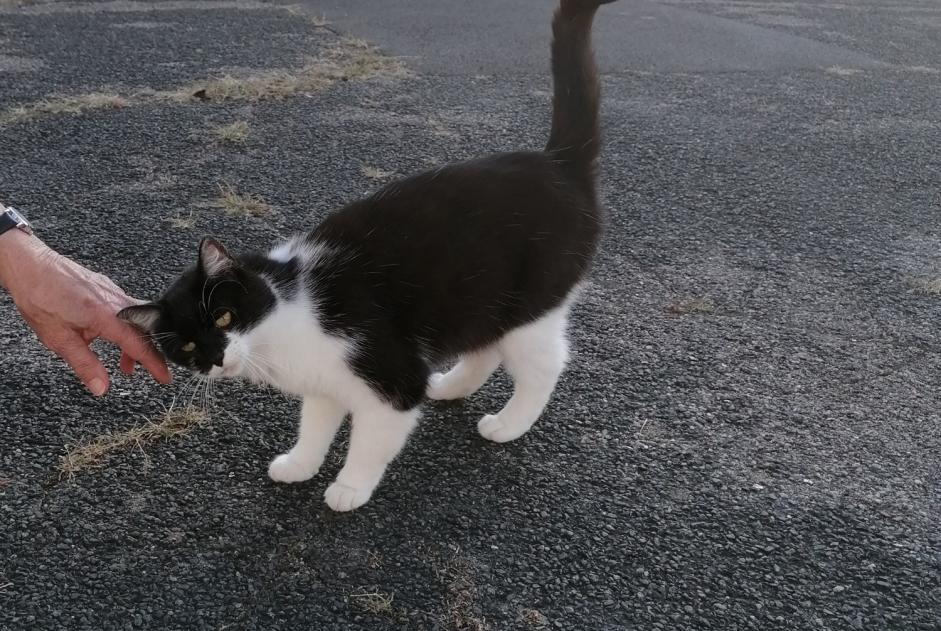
201,320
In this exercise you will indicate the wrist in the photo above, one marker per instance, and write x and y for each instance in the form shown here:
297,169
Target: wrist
18,251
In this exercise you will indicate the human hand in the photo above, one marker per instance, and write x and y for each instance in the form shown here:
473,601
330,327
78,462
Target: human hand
68,306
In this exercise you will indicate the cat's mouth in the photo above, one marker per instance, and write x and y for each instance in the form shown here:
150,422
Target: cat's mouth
226,371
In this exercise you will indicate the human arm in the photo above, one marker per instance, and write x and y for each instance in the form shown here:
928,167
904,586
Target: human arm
68,306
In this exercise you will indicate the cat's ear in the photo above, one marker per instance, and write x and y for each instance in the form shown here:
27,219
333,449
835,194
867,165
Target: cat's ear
213,258
144,317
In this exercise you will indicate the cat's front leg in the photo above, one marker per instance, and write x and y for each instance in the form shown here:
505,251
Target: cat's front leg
321,417
378,435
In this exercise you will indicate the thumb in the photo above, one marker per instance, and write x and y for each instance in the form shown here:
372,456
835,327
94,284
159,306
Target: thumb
85,363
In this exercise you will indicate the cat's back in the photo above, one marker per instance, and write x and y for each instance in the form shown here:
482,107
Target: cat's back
510,195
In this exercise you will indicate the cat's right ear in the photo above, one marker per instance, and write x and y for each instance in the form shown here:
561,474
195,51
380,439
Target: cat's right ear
144,317
213,258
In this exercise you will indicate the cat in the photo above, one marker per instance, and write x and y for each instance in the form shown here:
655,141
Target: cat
477,261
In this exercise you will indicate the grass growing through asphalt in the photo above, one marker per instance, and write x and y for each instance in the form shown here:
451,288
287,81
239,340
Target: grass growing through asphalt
533,618
378,604
94,453
351,59
931,286
240,204
319,21
348,60
180,222
63,105
696,305
375,173
234,133
457,574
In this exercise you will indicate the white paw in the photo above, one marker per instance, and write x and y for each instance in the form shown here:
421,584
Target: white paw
442,388
343,498
493,428
286,468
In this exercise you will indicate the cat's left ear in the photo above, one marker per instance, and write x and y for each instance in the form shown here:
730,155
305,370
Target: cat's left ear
213,258
144,317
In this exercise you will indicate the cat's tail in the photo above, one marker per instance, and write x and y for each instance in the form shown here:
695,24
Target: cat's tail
575,138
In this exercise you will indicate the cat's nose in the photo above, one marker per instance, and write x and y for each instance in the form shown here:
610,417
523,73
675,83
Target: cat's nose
217,360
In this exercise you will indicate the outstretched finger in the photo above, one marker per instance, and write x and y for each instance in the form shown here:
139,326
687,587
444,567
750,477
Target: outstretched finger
127,364
137,348
85,363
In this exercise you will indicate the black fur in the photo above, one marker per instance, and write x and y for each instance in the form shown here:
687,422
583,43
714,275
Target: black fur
443,262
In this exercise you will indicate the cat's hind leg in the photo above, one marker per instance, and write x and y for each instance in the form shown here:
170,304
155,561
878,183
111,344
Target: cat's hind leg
534,355
320,419
377,437
466,377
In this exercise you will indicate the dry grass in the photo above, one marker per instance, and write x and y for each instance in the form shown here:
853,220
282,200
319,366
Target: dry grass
458,577
696,305
374,560
351,59
319,21
95,453
375,173
63,105
240,204
234,133
376,603
533,618
931,286
183,223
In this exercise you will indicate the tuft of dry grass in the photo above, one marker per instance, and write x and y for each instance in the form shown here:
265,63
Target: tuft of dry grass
696,305
240,204
457,574
374,560
94,453
235,133
319,21
925,285
351,59
377,603
533,618
183,223
375,173
63,105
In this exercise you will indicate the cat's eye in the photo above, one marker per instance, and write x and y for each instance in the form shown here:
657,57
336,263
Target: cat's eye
189,347
224,320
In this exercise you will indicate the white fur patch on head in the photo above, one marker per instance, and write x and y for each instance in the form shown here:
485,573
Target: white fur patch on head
308,252
283,253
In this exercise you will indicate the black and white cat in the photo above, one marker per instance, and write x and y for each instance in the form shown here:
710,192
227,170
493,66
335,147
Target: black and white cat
477,261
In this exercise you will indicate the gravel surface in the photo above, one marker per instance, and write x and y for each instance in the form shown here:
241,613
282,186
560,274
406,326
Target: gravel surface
748,436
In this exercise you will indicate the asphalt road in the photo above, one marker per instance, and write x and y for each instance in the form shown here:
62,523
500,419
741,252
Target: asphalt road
748,436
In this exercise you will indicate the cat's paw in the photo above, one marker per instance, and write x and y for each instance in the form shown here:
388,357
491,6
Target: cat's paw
492,427
442,387
343,498
286,468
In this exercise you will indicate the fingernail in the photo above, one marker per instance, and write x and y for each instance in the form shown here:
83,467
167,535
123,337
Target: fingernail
97,387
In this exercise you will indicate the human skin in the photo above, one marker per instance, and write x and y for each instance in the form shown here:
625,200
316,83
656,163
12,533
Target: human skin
69,306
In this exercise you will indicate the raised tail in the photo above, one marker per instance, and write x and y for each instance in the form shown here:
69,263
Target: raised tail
575,138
